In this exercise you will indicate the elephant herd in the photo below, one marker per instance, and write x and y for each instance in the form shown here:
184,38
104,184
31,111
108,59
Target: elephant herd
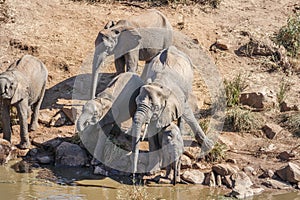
157,102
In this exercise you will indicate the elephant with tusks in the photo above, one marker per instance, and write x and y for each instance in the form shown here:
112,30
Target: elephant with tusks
22,85
164,99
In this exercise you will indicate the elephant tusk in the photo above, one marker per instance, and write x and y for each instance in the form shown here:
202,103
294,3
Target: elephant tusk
145,132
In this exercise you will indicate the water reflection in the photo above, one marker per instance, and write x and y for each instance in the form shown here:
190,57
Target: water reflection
26,186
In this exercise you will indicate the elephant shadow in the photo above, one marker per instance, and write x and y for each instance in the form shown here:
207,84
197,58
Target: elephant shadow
74,88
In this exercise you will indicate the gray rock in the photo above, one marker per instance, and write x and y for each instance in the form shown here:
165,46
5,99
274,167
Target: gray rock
44,159
241,185
58,120
248,170
267,174
226,180
225,169
193,176
100,171
71,155
219,180
271,130
46,115
7,151
71,113
192,152
186,162
241,179
210,179
290,173
275,184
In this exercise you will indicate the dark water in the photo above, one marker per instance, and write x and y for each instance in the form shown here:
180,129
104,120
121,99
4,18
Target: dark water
26,186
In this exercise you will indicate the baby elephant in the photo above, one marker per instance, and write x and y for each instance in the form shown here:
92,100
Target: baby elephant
22,85
172,149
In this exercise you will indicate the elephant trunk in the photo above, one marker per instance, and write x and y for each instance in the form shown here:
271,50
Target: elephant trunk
99,56
141,117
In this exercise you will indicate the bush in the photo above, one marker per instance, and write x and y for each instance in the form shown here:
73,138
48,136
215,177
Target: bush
292,122
289,35
242,120
233,90
217,154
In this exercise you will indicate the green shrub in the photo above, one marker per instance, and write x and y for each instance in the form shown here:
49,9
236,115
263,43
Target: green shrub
289,35
233,90
217,154
242,120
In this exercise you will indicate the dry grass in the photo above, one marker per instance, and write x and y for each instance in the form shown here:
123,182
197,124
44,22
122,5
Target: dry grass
242,120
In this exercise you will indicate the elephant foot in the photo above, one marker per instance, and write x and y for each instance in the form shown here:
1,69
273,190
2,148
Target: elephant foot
207,145
34,126
24,145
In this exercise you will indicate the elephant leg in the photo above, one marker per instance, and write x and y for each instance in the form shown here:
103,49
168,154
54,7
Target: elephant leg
188,116
145,71
177,167
22,108
35,114
6,121
154,157
131,60
120,65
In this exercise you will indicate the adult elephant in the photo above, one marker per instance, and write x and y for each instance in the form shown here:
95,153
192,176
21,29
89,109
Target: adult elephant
22,85
112,107
139,38
164,99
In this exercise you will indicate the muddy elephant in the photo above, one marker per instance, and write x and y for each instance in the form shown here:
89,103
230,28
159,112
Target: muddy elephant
172,148
164,99
138,38
22,85
112,107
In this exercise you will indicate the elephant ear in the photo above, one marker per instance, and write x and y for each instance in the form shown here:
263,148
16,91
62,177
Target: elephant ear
19,90
172,111
128,40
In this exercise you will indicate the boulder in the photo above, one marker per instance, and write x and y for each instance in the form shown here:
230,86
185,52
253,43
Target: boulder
275,184
100,171
7,151
258,98
225,169
186,162
70,155
218,180
193,176
192,152
241,179
46,115
44,159
210,179
271,130
241,186
58,120
226,180
71,113
285,107
267,174
290,173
